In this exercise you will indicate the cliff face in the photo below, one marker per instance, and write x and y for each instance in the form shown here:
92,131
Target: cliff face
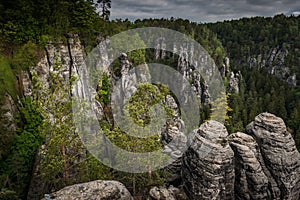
8,125
66,60
274,61
186,67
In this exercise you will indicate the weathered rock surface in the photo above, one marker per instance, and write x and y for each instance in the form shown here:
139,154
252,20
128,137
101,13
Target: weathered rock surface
174,141
187,66
97,190
274,61
8,124
250,180
280,156
234,82
207,165
26,83
163,193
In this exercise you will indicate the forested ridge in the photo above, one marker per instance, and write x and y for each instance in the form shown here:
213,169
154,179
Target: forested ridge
260,91
28,25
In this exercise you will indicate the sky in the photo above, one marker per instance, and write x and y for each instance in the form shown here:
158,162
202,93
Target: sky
201,10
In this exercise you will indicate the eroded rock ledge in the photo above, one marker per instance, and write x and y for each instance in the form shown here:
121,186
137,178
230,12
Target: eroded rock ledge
92,190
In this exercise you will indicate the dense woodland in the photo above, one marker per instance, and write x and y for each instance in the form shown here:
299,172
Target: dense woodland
27,26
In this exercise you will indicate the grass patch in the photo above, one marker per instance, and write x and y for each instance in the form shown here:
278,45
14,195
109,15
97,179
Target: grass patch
7,79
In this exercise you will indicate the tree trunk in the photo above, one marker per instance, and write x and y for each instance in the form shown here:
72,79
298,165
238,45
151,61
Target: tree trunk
66,172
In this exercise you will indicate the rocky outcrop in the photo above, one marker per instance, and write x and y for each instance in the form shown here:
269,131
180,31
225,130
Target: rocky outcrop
234,81
8,124
187,66
224,70
274,61
280,156
65,60
102,190
26,83
174,141
160,50
207,165
250,180
170,193
266,162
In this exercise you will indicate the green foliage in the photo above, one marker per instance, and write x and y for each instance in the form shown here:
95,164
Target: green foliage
17,167
259,91
137,108
139,104
29,20
26,57
104,89
136,182
220,109
6,194
132,43
7,78
63,146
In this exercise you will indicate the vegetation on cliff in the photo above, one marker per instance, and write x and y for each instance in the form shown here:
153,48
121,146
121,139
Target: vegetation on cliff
27,26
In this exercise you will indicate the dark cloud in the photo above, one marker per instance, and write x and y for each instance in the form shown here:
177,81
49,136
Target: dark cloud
201,10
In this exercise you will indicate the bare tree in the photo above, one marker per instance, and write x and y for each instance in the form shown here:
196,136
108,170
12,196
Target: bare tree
103,7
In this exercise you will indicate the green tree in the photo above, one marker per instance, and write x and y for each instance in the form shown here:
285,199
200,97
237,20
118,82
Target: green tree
220,109
16,169
63,148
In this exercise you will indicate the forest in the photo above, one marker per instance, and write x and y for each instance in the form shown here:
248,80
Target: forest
28,25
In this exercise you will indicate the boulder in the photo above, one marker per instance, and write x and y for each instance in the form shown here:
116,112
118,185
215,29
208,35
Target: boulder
97,190
163,193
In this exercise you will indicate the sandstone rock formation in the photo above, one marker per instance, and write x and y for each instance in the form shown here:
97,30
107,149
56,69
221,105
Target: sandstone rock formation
250,180
280,156
207,168
266,162
174,141
8,124
98,190
187,66
234,82
274,61
170,193
66,61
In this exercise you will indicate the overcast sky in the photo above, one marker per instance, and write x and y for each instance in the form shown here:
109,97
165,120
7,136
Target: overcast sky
201,10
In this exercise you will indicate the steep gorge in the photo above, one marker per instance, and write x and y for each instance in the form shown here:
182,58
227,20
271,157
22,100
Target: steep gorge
262,163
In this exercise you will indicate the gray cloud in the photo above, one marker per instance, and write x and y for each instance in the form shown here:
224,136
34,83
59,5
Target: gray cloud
201,10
